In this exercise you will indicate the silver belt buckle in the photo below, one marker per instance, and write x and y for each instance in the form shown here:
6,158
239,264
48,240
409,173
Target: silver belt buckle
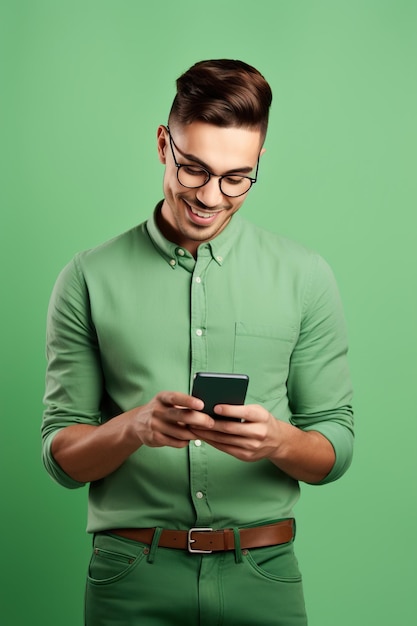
191,540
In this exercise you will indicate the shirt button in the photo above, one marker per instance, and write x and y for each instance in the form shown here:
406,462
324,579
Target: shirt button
180,252
172,262
198,279
199,495
197,443
219,258
198,332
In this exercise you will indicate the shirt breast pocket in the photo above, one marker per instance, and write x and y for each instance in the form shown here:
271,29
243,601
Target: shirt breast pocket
263,352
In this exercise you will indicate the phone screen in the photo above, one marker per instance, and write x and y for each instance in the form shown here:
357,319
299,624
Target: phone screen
215,388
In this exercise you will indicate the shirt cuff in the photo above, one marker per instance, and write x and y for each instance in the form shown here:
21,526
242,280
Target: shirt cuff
342,440
52,467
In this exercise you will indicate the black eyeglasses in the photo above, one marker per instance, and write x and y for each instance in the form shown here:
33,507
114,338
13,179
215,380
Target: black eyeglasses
195,176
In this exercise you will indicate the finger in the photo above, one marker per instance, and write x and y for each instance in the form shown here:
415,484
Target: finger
224,436
242,412
171,442
178,431
173,434
176,398
228,444
194,419
184,417
227,427
238,452
236,412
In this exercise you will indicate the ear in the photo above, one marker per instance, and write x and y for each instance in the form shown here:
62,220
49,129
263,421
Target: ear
262,151
162,143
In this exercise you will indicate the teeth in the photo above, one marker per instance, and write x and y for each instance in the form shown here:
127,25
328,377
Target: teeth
201,214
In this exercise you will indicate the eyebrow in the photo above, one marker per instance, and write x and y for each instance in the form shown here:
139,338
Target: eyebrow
191,157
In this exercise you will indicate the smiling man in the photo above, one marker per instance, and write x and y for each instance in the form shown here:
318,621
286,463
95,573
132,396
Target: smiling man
198,204
193,515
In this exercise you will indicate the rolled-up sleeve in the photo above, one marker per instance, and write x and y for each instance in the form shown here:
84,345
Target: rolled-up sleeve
319,383
74,380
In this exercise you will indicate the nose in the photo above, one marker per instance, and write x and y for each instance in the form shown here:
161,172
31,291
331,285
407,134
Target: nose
210,194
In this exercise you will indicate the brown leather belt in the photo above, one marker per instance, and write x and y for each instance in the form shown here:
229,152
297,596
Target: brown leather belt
206,540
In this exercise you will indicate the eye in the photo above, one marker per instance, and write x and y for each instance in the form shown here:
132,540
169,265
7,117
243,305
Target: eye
234,180
193,170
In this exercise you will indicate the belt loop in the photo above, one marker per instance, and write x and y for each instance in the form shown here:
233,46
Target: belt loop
238,550
154,544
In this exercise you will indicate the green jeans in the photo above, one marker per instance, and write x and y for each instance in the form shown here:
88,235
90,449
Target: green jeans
132,584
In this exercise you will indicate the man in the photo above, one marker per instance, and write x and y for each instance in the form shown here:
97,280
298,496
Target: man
192,516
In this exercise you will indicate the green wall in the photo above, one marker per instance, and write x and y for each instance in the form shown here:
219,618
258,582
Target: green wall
83,86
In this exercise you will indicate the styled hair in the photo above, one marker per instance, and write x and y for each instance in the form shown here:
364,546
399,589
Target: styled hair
222,92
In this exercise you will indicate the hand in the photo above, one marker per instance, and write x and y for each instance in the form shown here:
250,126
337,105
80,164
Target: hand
257,437
168,418
303,455
87,453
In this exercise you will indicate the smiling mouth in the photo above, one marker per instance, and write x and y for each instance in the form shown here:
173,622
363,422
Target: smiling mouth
201,217
203,214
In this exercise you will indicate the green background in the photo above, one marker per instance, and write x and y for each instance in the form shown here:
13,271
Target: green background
84,85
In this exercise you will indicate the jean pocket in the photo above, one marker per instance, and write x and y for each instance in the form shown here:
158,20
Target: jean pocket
112,560
276,563
264,352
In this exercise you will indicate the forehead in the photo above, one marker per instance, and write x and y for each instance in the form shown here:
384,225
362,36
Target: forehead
218,147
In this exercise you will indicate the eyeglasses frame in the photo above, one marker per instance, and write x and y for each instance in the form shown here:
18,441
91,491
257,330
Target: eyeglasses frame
209,174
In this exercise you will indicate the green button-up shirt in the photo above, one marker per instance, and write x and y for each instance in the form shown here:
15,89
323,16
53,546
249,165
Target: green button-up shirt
139,314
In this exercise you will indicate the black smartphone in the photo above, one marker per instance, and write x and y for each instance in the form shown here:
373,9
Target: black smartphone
215,388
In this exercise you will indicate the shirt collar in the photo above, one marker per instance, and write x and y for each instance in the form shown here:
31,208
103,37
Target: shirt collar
175,255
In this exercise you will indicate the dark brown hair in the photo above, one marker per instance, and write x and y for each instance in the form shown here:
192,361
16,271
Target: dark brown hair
222,92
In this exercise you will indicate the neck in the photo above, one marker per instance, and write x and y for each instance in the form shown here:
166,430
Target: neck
170,233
